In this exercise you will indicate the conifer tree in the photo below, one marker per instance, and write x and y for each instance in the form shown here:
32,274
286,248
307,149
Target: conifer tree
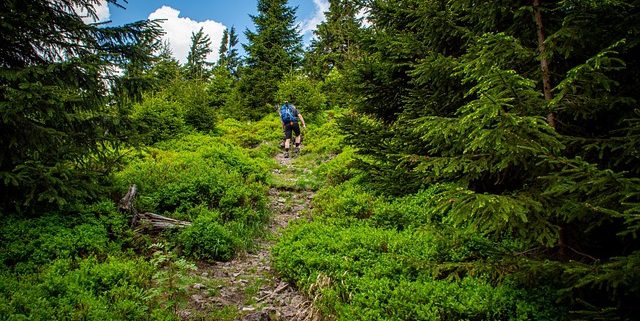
455,91
197,66
166,69
229,58
59,124
224,46
337,38
274,49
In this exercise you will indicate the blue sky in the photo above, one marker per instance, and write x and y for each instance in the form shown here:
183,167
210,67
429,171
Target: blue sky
213,15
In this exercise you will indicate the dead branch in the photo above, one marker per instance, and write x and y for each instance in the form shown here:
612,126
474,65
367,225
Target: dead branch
147,219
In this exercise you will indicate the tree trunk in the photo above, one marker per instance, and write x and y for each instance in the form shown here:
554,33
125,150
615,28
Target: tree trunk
548,96
544,61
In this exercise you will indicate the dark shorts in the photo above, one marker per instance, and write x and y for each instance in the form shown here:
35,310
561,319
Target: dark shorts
288,128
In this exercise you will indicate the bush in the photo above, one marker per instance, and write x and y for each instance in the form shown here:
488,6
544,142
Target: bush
303,92
87,289
336,86
261,137
197,175
208,239
349,199
159,118
215,175
80,231
338,169
198,106
325,139
426,274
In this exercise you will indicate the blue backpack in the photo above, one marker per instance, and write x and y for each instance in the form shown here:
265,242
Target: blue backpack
286,114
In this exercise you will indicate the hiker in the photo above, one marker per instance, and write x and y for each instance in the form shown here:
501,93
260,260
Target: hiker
289,116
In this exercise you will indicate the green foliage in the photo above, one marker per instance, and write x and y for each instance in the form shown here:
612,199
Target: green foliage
324,137
423,274
336,87
348,199
159,118
228,54
454,154
78,232
303,92
197,170
208,239
336,42
90,289
273,50
339,169
220,88
206,180
173,111
199,108
70,265
61,127
199,111
197,67
261,136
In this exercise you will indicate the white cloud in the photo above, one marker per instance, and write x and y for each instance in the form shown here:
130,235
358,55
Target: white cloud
102,11
178,32
318,17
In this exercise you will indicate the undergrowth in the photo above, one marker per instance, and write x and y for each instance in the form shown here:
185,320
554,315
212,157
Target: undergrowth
84,262
368,256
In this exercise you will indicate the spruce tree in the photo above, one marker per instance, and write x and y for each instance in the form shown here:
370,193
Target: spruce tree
228,54
336,40
197,66
165,69
274,49
531,109
60,125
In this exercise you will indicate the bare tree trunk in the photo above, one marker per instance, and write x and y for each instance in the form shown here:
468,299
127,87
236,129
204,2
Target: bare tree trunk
544,61
548,96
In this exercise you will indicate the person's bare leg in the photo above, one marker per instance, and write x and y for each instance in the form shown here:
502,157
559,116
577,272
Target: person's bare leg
298,140
287,143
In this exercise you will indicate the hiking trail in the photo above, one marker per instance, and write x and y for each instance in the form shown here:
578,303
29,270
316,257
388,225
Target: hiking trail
246,288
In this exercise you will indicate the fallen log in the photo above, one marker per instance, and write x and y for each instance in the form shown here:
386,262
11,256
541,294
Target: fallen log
151,220
161,222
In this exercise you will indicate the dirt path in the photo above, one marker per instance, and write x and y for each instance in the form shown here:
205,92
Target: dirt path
245,288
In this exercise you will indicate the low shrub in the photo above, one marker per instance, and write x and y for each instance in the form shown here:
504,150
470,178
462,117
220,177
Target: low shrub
159,118
362,272
206,180
208,239
80,231
87,289
261,138
174,182
348,199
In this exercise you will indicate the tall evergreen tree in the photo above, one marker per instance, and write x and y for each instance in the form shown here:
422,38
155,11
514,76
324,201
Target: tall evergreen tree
337,38
531,109
274,49
197,66
166,69
224,47
59,123
228,53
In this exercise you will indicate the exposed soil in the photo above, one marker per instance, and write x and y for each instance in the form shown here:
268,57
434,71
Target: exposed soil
246,288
